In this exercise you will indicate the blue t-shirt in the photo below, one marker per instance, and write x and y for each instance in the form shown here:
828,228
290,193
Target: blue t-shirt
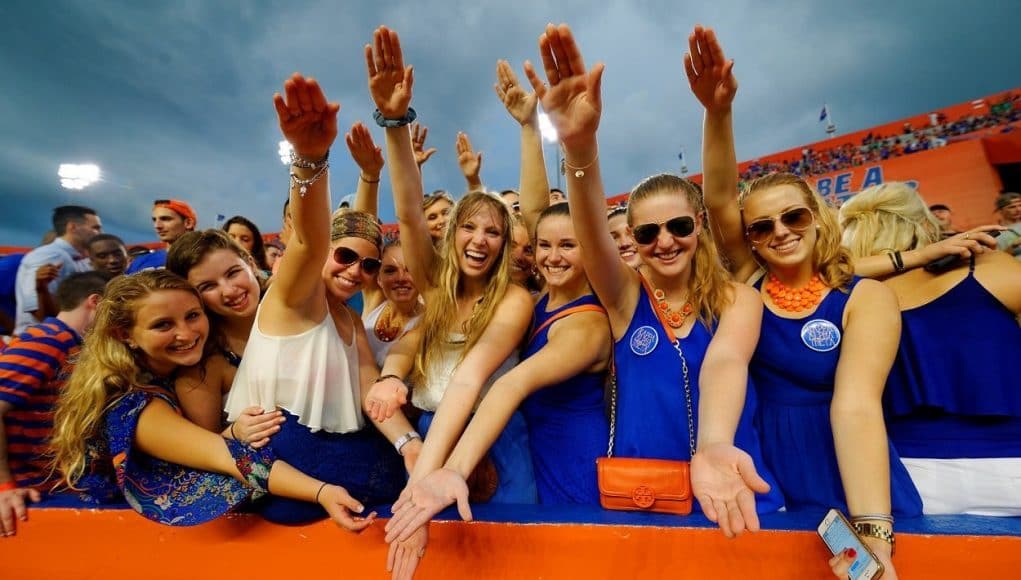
151,261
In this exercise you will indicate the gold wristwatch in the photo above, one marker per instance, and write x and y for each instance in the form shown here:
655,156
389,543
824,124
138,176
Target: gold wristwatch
869,530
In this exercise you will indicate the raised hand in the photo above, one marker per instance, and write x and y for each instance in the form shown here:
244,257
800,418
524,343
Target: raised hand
573,98
403,557
469,161
389,80
45,274
255,426
340,505
384,398
418,134
724,480
420,502
13,508
307,120
710,74
520,104
367,156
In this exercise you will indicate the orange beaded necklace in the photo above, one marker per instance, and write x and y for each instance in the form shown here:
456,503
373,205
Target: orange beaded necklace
674,318
795,299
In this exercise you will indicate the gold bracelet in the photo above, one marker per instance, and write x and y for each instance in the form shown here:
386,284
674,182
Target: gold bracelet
868,530
579,172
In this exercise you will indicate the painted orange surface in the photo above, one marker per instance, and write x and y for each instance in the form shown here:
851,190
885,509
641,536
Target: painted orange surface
66,543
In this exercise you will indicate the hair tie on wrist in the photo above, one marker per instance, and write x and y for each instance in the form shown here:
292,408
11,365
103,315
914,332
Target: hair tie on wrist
320,491
232,435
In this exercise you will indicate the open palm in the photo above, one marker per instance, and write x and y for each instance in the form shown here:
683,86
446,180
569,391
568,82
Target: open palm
307,120
520,104
710,74
390,81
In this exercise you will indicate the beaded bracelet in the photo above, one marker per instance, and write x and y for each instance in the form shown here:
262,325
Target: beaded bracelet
307,164
8,486
303,184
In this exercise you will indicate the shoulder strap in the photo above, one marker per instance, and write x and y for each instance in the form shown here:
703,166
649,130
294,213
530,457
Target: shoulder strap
563,314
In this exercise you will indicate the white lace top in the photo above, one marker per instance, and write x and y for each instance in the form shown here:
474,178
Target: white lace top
427,397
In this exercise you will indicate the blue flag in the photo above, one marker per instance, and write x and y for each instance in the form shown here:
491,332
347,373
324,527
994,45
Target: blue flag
823,114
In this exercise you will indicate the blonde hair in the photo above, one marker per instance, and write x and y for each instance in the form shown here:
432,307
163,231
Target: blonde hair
709,289
106,369
442,299
888,217
829,258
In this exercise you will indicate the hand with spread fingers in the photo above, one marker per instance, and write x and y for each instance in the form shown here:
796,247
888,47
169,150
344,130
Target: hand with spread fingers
468,160
421,501
710,74
385,397
973,242
364,151
307,120
573,98
13,508
341,506
390,81
520,104
724,480
402,558
419,133
255,426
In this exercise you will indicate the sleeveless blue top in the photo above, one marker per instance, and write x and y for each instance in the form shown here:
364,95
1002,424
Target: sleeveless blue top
652,419
567,425
794,368
952,391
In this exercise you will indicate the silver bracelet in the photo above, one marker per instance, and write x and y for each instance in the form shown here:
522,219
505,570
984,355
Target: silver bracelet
873,517
404,440
306,164
303,184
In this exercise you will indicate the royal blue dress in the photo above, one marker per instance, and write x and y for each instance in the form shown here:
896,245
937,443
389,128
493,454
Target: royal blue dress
652,418
953,392
794,368
567,424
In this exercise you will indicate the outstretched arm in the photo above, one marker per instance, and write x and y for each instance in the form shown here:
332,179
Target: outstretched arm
711,78
390,84
369,159
534,187
574,104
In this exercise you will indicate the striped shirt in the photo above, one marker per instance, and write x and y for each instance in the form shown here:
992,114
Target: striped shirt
32,375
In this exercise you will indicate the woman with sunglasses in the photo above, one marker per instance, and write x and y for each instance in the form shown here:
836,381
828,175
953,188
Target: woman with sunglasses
953,412
683,332
828,338
475,316
308,354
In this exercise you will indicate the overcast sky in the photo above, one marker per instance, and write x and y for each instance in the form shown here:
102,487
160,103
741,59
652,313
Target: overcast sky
173,99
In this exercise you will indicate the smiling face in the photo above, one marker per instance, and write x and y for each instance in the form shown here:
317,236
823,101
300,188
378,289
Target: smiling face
242,235
626,246
345,280
668,255
436,216
558,253
522,254
787,246
395,279
170,330
478,241
226,283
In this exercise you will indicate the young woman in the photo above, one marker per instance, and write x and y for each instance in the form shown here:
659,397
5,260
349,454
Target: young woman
247,235
395,308
474,318
616,219
118,411
683,331
828,338
436,209
308,354
953,411
223,273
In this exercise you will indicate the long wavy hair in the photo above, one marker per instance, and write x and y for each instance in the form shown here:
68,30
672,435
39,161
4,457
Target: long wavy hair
829,258
709,288
887,218
442,299
106,369
258,244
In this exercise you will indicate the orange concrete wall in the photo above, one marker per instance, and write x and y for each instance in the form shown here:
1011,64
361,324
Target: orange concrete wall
108,544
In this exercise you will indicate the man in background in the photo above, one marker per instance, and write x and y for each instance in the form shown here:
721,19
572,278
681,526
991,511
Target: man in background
171,218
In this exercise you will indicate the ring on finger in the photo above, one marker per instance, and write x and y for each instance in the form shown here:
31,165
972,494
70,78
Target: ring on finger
967,236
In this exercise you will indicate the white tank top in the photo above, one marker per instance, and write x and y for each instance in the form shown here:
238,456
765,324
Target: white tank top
428,396
379,348
312,375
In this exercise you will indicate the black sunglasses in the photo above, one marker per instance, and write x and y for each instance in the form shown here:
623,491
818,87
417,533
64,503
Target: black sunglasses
681,227
160,201
347,256
797,220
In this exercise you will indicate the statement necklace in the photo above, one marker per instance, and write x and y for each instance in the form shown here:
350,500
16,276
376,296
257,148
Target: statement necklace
674,318
795,299
390,324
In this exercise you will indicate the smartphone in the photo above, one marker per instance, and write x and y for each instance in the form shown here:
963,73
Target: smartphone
947,263
838,535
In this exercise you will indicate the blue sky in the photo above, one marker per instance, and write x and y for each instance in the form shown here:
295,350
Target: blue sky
173,99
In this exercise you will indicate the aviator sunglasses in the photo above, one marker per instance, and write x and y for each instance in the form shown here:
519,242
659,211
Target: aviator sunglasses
681,227
347,256
797,220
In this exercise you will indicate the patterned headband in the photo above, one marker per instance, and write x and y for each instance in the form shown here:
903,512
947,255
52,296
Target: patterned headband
348,223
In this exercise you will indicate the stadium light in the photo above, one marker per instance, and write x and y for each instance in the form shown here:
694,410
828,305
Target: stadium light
78,176
284,151
549,132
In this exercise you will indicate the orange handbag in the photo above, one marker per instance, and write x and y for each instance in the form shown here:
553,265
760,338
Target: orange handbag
653,485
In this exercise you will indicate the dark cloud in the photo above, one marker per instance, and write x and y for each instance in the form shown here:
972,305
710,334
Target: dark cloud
173,99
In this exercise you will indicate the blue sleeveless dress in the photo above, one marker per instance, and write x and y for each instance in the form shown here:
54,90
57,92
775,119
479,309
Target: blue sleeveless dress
652,418
567,425
953,392
794,368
